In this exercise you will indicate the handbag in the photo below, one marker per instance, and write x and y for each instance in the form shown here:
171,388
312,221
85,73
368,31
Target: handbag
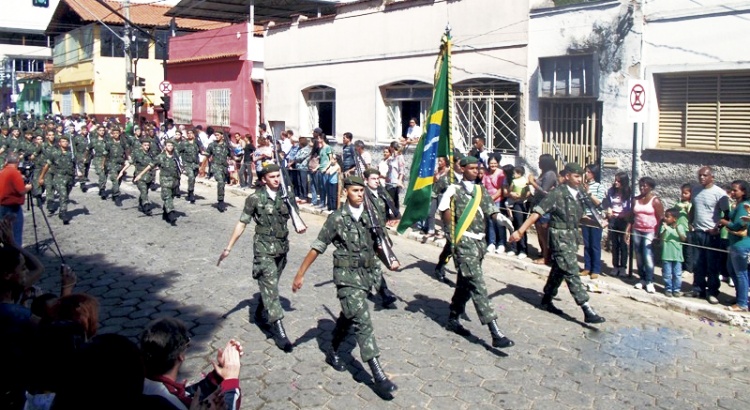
313,163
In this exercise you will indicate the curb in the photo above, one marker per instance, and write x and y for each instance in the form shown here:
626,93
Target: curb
684,305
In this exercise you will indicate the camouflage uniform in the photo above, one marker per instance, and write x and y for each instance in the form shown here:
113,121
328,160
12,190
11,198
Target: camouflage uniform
80,144
39,161
469,255
219,164
271,245
189,154
168,176
98,147
142,159
115,162
64,166
49,179
354,261
565,213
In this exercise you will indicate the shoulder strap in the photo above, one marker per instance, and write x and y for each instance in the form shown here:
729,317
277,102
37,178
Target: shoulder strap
469,213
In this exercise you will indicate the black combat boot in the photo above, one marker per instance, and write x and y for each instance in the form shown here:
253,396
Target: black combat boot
549,307
383,386
221,206
339,334
260,318
103,195
172,218
498,338
117,200
191,197
440,272
65,218
279,336
147,209
84,188
386,295
590,316
164,213
177,193
454,325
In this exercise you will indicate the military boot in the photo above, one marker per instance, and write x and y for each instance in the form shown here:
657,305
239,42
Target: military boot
147,209
164,213
590,316
260,318
117,200
498,338
191,197
440,272
177,193
549,307
386,295
339,334
383,386
172,218
454,325
65,218
279,336
221,206
84,188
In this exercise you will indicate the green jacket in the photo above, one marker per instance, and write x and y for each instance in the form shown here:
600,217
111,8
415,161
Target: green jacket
188,152
62,162
219,152
167,166
271,217
565,212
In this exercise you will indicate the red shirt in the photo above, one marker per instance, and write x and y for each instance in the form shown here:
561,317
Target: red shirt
12,189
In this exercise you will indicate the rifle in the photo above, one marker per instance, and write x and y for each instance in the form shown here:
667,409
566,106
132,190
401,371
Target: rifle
177,161
383,243
297,222
583,197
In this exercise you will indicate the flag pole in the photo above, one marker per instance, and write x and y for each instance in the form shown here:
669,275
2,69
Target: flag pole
451,173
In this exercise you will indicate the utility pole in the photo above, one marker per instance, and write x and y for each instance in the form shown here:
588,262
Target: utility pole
129,78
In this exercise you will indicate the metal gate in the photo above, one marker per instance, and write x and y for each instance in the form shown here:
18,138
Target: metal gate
488,109
576,129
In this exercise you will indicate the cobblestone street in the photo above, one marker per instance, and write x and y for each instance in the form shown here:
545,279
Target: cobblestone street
141,268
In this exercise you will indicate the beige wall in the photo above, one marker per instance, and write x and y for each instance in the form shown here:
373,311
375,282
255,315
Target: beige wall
367,46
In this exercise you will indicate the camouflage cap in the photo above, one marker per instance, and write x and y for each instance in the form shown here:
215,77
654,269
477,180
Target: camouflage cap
572,167
354,180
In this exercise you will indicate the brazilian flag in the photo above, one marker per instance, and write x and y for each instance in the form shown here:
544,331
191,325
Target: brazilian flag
436,141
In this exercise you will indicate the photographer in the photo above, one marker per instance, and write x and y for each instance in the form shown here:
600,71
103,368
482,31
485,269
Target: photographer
13,190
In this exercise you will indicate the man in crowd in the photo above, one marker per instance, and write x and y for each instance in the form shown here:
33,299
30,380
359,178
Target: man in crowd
219,154
13,191
347,155
271,245
709,202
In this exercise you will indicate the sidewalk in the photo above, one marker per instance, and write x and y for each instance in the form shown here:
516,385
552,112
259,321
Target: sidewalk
619,286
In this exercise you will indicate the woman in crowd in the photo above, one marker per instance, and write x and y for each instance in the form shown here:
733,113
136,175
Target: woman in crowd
301,164
739,243
617,208
394,178
494,181
542,185
592,235
648,212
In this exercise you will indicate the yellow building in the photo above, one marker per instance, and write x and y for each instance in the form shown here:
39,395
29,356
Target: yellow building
89,54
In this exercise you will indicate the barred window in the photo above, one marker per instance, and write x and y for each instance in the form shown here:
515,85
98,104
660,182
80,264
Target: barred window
704,111
182,107
217,107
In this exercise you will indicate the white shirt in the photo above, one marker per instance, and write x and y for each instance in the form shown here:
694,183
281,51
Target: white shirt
271,193
286,145
413,133
356,211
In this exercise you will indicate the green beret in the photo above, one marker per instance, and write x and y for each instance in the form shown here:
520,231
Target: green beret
468,160
354,180
572,167
371,171
170,141
269,168
145,139
64,137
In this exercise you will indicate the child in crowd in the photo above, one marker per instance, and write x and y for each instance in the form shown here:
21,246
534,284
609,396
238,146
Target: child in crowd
518,193
672,235
684,205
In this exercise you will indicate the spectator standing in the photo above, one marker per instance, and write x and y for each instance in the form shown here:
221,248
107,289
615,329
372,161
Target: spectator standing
617,208
359,147
13,192
592,235
672,235
246,168
739,243
709,203
324,180
312,167
301,164
542,186
440,172
494,182
347,154
684,205
518,192
648,211
394,179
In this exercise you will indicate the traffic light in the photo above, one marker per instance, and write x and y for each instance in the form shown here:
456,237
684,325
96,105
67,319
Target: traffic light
40,3
141,82
129,80
165,102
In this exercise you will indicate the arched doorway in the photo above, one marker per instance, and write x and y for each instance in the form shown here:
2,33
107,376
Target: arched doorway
321,108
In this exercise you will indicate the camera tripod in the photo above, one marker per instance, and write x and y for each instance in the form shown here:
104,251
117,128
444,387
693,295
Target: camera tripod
30,206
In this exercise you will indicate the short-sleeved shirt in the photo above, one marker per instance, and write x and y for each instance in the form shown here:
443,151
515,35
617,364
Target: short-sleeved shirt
708,206
325,157
671,243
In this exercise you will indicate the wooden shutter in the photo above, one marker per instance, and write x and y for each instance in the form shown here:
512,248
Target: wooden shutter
734,112
702,113
672,99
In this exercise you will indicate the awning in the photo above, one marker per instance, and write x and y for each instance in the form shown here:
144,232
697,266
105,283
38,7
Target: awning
235,11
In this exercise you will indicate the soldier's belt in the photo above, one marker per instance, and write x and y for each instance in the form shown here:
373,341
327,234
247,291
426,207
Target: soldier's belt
562,225
352,263
477,236
274,233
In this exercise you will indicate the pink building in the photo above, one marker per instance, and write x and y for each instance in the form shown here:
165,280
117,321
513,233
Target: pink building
212,78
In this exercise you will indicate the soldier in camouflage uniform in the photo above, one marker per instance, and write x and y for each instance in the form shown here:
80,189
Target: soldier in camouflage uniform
354,260
271,245
141,159
62,162
81,149
372,180
438,188
219,152
565,211
189,150
12,143
168,175
470,250
48,147
36,155
117,161
98,149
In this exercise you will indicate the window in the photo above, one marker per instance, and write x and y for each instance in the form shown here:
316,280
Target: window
321,108
217,107
86,40
487,108
139,46
26,65
182,107
162,45
67,104
568,77
111,44
58,52
704,111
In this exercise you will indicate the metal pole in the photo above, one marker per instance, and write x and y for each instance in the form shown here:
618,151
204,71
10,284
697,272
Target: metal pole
128,60
633,182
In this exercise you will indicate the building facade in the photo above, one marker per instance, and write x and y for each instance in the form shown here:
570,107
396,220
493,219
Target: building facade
212,75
